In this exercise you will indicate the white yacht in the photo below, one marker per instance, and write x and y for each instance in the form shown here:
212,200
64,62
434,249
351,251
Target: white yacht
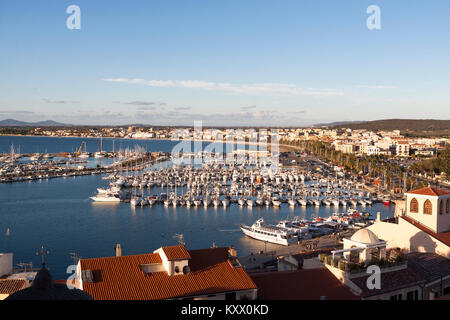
225,203
106,197
197,202
241,202
135,201
276,203
36,157
113,189
269,233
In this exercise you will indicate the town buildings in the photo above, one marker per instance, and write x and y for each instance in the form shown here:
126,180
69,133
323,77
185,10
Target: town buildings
359,142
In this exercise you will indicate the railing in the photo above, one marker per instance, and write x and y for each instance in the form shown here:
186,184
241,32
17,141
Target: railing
356,268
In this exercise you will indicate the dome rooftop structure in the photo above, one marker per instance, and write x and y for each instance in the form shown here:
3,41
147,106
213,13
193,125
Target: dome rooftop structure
365,236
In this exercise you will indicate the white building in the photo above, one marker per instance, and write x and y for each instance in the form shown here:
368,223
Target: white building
422,226
370,150
403,276
402,149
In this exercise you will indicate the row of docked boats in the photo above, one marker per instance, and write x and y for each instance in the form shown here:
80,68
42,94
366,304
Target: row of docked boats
221,186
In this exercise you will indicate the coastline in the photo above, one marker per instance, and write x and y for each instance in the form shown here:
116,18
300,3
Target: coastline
143,139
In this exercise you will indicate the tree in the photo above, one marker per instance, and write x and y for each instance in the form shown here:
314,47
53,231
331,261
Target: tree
444,162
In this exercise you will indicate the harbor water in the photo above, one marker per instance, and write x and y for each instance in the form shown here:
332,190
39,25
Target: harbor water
58,214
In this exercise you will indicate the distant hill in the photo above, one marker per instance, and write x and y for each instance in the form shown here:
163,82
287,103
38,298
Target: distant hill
406,126
17,123
337,123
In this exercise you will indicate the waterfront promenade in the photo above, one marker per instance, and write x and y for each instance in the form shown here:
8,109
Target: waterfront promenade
256,260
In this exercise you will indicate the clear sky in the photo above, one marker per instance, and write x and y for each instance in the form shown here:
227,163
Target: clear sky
225,62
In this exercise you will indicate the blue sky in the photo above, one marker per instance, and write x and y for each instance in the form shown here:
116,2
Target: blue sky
224,62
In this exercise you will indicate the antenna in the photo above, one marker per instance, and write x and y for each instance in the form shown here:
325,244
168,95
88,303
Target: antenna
75,257
42,253
8,234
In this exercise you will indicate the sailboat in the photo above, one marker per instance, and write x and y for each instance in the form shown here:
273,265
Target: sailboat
100,153
84,154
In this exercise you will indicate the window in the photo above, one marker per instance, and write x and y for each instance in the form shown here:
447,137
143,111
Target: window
446,290
427,207
396,297
441,207
448,206
412,295
414,206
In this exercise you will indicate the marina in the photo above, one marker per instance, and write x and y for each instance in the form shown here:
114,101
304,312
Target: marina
224,151
61,214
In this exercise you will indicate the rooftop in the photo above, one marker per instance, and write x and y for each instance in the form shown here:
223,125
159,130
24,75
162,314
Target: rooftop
422,268
429,266
365,236
123,278
44,288
390,281
300,257
9,286
306,284
429,191
178,252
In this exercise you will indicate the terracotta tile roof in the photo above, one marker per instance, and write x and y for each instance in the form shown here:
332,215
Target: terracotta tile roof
428,191
178,252
443,237
9,286
306,284
121,278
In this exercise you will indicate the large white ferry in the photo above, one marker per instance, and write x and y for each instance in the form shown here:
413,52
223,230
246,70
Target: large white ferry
270,233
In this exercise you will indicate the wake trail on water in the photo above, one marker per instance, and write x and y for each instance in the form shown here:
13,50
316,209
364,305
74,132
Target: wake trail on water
229,230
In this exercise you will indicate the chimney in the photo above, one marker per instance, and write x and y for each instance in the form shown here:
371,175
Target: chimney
118,250
232,252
